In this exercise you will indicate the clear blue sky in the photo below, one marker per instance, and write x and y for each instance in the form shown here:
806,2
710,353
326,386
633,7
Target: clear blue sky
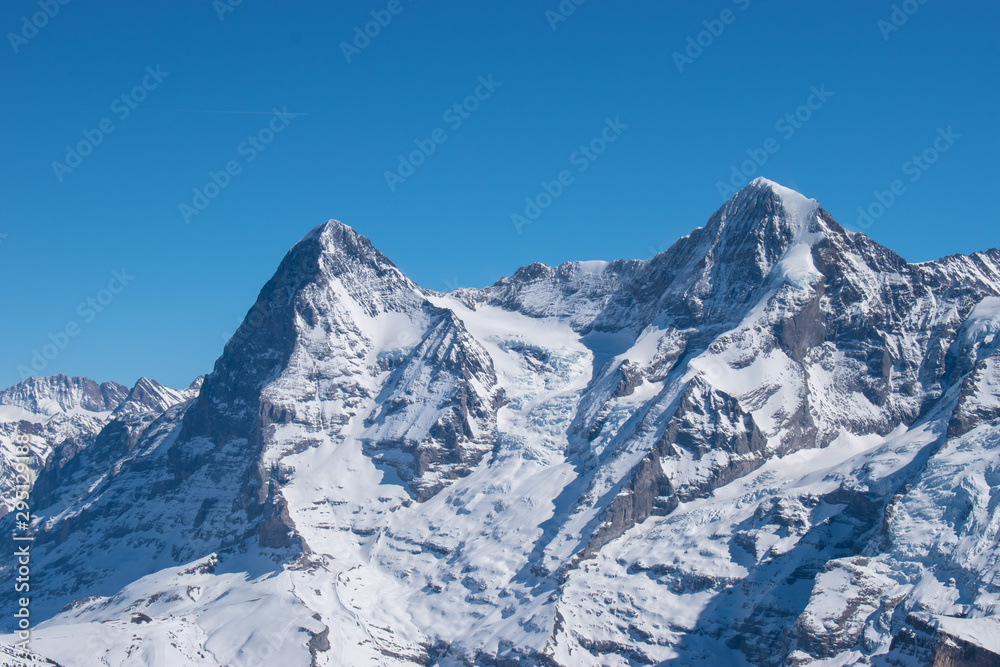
449,223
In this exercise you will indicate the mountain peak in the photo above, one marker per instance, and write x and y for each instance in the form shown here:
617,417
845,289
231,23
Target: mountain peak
336,239
795,204
333,233
331,229
481,473
761,183
149,394
767,211
59,393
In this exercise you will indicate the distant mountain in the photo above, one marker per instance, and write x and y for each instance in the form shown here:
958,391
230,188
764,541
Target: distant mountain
776,443
63,416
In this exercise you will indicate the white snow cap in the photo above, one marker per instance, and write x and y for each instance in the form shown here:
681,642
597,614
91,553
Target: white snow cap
330,225
799,209
794,202
336,224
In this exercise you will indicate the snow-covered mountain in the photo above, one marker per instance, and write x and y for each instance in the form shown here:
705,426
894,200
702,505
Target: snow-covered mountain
776,443
62,417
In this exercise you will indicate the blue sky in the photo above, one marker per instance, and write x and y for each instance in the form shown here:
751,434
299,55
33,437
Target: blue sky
867,90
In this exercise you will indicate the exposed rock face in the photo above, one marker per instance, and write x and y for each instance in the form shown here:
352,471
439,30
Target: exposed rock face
59,393
922,642
437,414
61,415
77,467
731,447
775,443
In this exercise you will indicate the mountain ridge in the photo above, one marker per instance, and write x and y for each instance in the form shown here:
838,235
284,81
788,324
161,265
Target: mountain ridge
626,462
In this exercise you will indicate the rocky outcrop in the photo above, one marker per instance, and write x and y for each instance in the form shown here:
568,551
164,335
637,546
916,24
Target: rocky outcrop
61,416
922,642
437,414
60,393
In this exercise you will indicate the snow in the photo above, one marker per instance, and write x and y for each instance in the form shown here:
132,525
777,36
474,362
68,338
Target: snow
15,413
797,267
592,265
50,409
983,632
799,208
198,618
983,323
856,508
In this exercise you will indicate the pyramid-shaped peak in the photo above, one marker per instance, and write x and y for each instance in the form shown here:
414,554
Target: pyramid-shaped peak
148,394
333,226
146,388
761,182
330,232
336,238
792,201
763,201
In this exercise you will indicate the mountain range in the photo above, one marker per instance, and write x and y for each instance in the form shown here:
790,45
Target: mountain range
775,443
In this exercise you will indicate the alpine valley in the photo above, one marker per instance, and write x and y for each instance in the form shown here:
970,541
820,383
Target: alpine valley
775,443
